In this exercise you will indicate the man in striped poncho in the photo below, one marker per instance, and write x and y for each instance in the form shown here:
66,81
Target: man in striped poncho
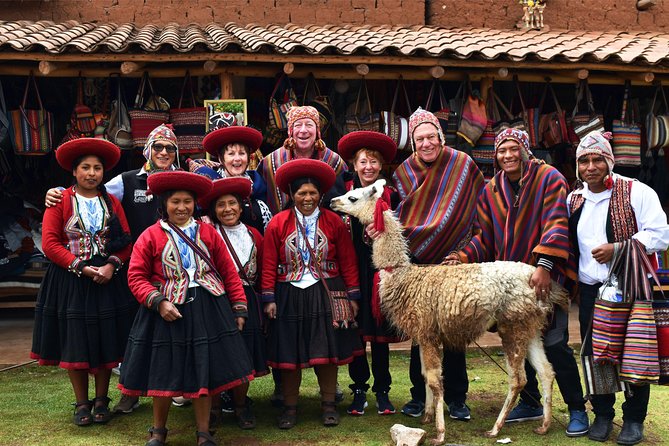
438,187
522,216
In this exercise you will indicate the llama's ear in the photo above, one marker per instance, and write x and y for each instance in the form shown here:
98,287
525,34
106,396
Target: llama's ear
377,188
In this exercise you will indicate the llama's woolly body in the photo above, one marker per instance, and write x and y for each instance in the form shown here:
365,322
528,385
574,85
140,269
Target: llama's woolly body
454,305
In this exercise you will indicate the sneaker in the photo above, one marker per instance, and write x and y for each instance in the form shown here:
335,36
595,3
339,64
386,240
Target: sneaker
359,403
383,404
413,408
180,401
227,405
459,411
525,412
339,394
578,423
117,370
126,404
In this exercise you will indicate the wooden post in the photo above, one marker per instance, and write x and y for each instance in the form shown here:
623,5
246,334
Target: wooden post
226,86
131,67
362,69
46,67
437,71
485,84
288,68
210,65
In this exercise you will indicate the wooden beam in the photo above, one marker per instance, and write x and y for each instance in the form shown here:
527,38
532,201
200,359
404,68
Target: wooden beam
362,69
209,66
129,67
47,68
288,68
437,71
226,86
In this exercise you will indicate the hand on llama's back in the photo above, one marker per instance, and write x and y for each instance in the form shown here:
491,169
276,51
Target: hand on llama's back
360,202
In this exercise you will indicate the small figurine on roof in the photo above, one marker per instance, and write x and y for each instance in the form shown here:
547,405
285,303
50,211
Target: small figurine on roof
533,13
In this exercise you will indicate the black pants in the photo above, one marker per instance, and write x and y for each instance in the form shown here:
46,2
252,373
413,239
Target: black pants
358,370
454,372
635,407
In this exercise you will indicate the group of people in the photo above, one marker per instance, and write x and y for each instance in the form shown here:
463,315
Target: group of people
238,271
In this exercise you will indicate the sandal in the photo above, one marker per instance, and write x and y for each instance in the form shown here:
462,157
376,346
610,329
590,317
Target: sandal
245,417
330,416
162,431
101,412
82,413
288,418
209,440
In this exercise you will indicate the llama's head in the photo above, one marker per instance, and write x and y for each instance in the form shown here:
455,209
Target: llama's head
360,203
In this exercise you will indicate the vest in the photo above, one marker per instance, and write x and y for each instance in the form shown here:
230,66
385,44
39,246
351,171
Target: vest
140,212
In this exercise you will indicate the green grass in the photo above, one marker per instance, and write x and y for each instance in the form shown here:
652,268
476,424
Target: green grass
35,410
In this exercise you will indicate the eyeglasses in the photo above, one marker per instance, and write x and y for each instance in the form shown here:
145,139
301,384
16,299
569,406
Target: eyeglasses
168,148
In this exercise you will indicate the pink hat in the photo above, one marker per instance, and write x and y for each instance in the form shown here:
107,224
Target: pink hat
597,143
421,116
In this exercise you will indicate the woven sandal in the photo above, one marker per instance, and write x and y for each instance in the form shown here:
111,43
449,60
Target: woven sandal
209,440
288,418
82,413
162,431
330,416
101,412
245,417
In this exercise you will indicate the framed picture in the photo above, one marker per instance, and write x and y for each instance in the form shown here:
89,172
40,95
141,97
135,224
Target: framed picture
225,113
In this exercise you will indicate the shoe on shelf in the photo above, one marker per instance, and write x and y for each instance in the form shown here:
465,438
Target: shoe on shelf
631,433
601,428
525,412
459,411
339,394
359,403
126,404
383,404
413,408
180,401
578,423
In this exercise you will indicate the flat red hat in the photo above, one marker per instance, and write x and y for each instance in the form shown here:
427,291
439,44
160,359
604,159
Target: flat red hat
71,150
240,186
350,143
160,182
305,168
214,141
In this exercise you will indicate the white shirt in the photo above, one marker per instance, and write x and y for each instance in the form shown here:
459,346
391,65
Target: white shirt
91,213
241,241
591,230
185,252
309,223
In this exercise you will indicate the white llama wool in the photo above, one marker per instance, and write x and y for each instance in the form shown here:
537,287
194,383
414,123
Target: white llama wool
454,305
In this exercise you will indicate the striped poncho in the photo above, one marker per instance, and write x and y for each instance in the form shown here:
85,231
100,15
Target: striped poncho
437,203
524,226
276,200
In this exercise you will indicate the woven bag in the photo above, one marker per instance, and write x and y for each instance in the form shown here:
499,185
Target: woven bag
189,122
147,115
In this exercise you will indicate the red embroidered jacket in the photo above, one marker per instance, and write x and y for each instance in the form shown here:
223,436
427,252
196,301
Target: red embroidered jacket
156,273
69,245
334,249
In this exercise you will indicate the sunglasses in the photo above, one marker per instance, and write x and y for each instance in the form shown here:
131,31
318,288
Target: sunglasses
168,148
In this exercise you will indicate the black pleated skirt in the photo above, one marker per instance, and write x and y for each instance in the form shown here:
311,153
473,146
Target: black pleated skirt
256,342
302,335
79,324
198,355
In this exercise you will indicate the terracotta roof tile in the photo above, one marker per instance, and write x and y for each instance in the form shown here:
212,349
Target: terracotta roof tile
645,48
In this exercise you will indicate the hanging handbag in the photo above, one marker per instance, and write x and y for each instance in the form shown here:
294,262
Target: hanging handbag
313,97
118,130
661,314
394,125
553,125
278,108
146,115
342,310
657,125
484,151
82,121
627,134
474,118
189,123
31,129
443,113
584,123
102,117
4,120
359,120
640,363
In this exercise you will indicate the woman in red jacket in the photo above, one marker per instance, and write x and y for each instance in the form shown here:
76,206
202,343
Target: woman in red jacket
84,309
186,337
310,288
224,206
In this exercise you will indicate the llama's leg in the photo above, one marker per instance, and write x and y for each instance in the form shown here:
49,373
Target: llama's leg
430,358
537,357
515,350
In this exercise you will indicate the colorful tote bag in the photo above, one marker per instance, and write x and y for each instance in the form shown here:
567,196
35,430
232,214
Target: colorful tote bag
394,125
661,313
362,117
118,130
474,118
448,112
31,129
553,125
312,96
640,363
627,134
147,114
585,122
657,124
189,122
82,120
278,107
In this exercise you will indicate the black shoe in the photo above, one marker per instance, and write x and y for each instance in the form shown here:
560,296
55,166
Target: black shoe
600,429
631,433
383,404
459,411
359,403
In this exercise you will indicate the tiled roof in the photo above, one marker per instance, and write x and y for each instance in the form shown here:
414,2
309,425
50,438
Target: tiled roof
639,48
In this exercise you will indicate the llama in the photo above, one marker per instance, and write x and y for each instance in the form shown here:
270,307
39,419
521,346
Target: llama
454,306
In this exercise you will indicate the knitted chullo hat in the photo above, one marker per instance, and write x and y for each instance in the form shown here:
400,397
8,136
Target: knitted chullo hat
164,132
421,116
597,143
